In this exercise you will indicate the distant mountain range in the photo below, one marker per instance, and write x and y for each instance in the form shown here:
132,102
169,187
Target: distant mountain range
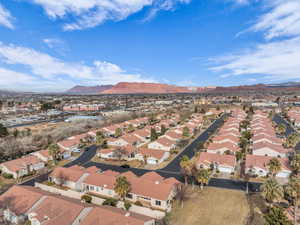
89,89
136,88
157,88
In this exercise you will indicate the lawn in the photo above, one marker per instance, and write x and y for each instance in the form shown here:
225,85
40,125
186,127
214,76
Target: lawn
212,206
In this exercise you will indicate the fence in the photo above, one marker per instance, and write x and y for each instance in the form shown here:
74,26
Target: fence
99,201
67,193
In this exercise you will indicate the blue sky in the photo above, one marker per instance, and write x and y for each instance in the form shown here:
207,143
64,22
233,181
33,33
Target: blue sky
48,45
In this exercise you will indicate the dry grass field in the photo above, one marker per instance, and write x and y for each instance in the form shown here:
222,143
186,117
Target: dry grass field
212,206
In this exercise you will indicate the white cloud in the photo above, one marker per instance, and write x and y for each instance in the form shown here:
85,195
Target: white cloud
52,42
17,78
5,18
91,13
279,60
276,59
50,70
240,2
163,5
43,64
282,19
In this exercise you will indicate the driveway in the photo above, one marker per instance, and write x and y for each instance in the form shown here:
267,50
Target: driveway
191,149
171,170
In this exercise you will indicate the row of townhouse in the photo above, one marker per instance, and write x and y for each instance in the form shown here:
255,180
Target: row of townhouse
31,163
227,138
25,203
265,145
133,145
170,139
220,152
151,189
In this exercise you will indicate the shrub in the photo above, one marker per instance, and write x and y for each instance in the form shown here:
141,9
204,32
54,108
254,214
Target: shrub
7,175
110,202
127,205
174,151
49,183
86,198
138,203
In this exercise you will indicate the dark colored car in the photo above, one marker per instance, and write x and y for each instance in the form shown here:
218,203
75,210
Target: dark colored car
125,166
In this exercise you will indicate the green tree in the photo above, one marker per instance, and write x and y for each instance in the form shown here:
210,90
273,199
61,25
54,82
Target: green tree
54,152
295,163
186,132
130,128
244,124
293,191
243,143
186,168
281,128
247,135
122,187
46,106
272,191
239,155
274,166
16,133
292,140
276,216
99,137
3,131
153,135
203,176
118,132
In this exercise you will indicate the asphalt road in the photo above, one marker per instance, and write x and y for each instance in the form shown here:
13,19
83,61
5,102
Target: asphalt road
289,128
279,120
191,149
171,170
85,157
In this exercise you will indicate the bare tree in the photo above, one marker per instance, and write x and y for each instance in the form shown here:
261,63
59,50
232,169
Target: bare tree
181,193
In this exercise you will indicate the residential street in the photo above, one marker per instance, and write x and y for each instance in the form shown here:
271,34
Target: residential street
171,170
289,128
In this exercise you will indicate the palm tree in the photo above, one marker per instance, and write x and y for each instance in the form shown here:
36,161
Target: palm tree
99,138
186,132
281,128
203,176
293,191
274,166
118,132
272,191
276,216
186,168
54,152
122,187
295,164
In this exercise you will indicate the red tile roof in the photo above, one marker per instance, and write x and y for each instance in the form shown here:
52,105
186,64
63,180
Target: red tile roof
209,158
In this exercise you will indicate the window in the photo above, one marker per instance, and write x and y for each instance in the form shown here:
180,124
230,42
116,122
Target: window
91,188
157,202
